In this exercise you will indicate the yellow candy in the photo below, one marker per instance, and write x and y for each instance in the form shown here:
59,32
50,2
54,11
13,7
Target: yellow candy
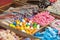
34,31
11,25
24,27
27,31
30,32
24,24
21,28
18,21
18,27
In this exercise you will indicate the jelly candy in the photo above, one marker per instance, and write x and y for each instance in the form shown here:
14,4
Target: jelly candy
14,23
43,18
17,21
11,25
35,25
48,34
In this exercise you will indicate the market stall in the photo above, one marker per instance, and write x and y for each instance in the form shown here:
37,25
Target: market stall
30,21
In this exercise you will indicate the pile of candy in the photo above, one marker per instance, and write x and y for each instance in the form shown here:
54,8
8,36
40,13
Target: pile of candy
25,25
43,18
55,8
56,24
30,25
26,10
52,1
8,35
48,34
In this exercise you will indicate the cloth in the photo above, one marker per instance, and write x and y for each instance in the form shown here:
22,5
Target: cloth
4,2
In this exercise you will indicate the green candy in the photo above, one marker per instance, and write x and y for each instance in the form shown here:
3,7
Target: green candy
34,25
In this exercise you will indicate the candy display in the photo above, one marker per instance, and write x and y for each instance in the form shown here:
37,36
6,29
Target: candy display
23,24
48,34
8,35
44,18
30,22
26,10
56,24
55,7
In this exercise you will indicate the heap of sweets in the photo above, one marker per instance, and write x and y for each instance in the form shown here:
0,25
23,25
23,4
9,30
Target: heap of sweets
55,8
26,10
23,24
56,24
48,34
8,35
44,18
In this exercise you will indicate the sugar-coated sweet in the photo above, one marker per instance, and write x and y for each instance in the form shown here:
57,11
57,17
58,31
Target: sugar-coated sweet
56,24
8,35
44,18
25,25
48,34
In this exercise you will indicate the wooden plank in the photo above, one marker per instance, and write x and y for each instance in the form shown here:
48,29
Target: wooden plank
55,15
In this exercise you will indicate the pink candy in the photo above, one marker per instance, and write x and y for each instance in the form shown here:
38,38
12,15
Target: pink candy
52,1
43,18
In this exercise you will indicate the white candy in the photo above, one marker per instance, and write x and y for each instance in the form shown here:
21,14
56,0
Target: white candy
38,26
23,20
32,28
21,23
23,31
6,35
30,21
